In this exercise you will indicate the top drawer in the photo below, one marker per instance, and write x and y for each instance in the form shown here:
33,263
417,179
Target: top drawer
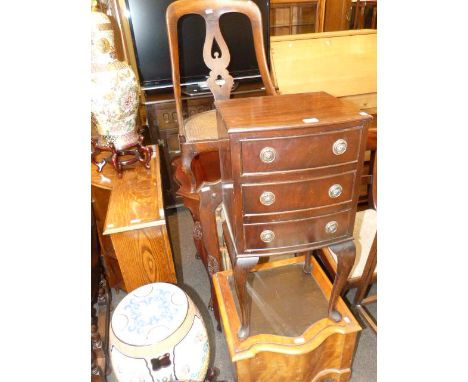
301,152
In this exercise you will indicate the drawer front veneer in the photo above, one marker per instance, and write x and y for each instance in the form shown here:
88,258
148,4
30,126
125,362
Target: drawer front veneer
304,194
296,232
301,152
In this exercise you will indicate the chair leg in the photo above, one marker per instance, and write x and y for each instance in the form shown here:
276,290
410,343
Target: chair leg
187,155
193,205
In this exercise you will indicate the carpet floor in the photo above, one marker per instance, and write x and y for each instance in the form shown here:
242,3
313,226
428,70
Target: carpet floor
193,279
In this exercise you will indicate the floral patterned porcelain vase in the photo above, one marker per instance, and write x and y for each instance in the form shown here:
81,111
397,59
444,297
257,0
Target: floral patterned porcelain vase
114,88
157,334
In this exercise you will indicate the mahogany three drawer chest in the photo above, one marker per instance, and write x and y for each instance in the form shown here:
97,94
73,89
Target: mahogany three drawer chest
290,168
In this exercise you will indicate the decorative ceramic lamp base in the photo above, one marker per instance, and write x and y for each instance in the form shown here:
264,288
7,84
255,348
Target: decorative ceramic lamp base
136,151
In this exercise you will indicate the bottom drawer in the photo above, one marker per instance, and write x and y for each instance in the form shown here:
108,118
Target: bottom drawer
296,232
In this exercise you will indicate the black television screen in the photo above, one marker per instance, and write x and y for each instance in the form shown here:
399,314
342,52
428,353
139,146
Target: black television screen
148,27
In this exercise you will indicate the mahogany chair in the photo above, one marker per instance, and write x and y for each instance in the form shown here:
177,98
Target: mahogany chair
363,273
197,169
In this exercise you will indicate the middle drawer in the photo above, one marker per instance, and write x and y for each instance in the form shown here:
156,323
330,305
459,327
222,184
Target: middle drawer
297,195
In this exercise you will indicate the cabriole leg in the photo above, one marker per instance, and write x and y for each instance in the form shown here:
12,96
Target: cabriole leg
345,254
241,271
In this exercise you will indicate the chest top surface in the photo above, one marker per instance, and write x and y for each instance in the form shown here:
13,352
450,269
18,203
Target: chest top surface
286,111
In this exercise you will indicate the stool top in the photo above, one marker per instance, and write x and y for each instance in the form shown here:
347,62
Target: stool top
149,314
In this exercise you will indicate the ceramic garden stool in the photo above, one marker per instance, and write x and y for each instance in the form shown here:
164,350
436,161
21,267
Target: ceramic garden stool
157,334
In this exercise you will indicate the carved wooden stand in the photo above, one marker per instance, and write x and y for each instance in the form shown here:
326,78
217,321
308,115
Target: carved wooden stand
137,150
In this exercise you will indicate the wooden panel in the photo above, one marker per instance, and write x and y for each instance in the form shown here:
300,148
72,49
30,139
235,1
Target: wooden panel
340,63
163,116
317,151
100,201
136,200
322,364
312,193
280,17
366,102
287,234
144,256
337,15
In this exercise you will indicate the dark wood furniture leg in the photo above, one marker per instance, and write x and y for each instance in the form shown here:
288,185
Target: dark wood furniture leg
345,254
210,198
307,263
202,205
241,270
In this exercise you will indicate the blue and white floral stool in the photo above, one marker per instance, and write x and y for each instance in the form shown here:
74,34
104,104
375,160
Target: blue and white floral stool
157,334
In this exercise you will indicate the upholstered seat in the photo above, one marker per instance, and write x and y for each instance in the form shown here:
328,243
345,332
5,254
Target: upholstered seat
201,127
365,229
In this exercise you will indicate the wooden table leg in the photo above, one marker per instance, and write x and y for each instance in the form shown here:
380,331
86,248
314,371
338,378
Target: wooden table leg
345,254
241,270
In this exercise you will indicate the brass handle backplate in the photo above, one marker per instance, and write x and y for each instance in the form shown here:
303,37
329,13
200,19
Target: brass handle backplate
267,236
340,146
331,227
268,154
267,198
335,191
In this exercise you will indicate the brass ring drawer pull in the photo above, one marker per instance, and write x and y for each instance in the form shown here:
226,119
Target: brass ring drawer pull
267,236
340,146
331,227
268,154
267,198
335,191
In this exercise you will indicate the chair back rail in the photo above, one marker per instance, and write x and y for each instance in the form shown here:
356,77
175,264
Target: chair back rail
219,81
